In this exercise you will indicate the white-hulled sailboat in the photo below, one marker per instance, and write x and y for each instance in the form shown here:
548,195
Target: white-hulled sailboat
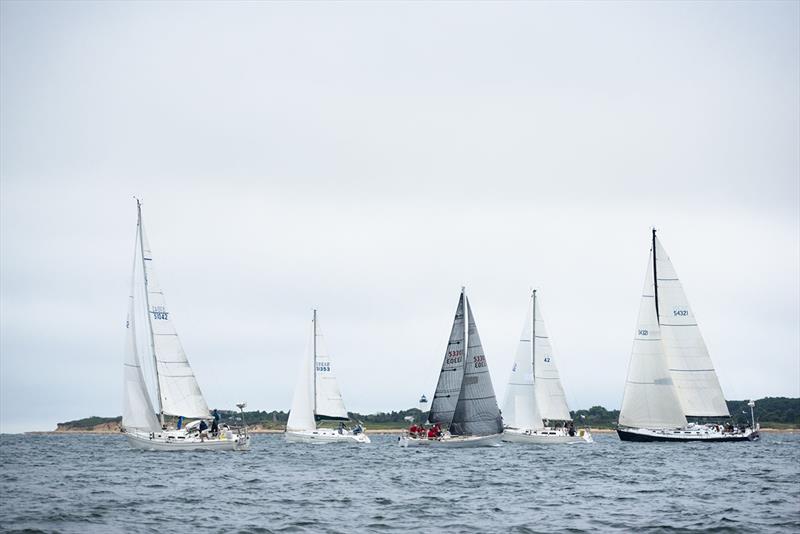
670,376
177,391
317,398
464,406
534,392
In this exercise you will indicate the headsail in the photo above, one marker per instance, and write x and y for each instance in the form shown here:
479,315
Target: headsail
650,400
520,409
180,393
444,400
137,410
301,416
329,403
550,395
695,379
476,412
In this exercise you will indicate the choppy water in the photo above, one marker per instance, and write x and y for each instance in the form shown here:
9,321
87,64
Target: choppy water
83,483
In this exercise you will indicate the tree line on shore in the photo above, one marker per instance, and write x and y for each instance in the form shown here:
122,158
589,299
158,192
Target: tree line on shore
776,412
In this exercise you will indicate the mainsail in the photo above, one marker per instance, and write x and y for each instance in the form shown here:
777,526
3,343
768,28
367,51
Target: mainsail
476,412
550,395
448,388
696,382
520,409
180,393
650,400
329,403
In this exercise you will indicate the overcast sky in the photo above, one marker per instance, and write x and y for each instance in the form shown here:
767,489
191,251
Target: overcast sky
369,159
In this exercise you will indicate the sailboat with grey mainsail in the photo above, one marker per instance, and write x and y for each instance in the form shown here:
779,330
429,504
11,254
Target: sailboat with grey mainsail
464,411
671,381
535,408
177,392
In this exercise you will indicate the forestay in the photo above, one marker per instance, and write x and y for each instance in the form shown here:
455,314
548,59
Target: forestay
693,374
180,393
650,400
476,412
445,398
550,395
329,402
519,405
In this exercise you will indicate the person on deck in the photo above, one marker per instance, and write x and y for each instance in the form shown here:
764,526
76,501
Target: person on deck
432,433
203,430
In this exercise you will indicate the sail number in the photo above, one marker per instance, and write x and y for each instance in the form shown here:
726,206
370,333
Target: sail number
160,313
454,356
323,367
643,332
547,359
479,361
681,313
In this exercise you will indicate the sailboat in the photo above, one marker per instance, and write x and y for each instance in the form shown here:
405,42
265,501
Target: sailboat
464,410
177,391
672,384
317,398
534,392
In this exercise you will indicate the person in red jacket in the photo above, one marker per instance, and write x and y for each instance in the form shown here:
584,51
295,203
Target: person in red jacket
432,434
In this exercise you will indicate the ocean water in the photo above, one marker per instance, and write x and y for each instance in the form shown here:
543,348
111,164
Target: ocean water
95,483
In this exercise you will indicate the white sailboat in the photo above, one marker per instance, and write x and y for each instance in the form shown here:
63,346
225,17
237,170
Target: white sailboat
177,391
317,398
534,394
464,410
671,379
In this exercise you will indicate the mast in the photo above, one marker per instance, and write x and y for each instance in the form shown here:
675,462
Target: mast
314,370
533,338
655,277
466,341
149,318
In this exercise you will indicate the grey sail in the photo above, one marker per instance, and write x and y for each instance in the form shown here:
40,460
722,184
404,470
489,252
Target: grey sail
476,413
447,390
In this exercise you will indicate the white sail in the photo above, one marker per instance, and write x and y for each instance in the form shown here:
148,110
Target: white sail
650,400
550,397
137,410
329,403
301,416
696,382
519,405
180,393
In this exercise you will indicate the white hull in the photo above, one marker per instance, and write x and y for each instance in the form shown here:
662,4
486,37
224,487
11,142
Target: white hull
451,441
546,435
325,435
173,441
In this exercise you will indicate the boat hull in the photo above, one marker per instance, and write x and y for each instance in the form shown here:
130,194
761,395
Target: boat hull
322,436
161,443
648,435
452,441
546,437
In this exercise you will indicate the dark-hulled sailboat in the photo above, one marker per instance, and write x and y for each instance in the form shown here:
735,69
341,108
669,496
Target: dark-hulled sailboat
671,380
